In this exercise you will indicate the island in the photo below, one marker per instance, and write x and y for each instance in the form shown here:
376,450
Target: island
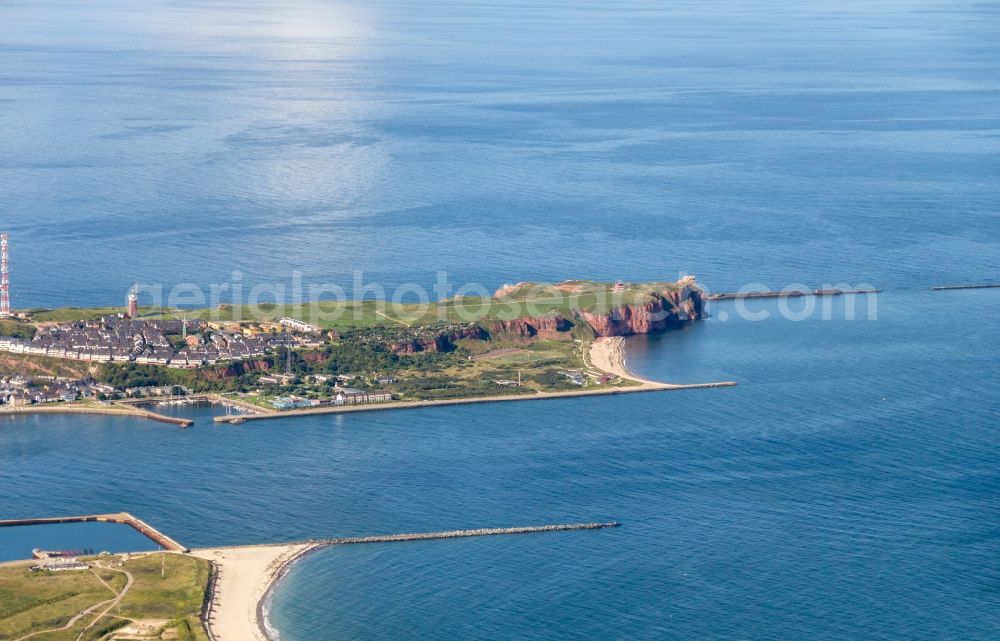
526,341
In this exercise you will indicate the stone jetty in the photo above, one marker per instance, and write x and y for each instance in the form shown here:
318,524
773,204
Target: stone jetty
455,534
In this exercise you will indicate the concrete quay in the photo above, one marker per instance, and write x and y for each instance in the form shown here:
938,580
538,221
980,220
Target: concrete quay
124,518
538,396
112,409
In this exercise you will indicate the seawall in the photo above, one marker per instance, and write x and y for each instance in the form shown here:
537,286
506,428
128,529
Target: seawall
113,410
539,396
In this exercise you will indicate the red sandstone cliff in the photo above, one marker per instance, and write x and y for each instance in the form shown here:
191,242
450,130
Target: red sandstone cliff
664,310
652,312
232,370
442,342
553,327
659,311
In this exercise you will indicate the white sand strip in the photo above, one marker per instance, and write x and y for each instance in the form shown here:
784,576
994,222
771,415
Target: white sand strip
245,574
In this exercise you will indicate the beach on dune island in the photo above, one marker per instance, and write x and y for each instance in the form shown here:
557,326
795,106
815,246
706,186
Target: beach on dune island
246,575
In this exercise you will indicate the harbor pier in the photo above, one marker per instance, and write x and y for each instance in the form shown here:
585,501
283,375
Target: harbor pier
647,386
113,408
124,518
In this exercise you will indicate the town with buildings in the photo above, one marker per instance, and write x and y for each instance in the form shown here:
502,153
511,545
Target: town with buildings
127,338
124,339
276,364
19,391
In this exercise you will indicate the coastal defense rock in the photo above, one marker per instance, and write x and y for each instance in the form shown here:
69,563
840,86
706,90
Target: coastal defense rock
664,310
554,327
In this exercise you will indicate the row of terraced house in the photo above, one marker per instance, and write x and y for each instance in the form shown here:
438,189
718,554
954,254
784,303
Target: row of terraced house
116,340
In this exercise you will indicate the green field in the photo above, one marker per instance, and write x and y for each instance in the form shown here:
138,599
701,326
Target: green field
524,300
47,602
70,314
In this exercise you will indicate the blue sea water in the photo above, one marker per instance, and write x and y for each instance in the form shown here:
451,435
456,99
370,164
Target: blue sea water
17,543
846,489
175,142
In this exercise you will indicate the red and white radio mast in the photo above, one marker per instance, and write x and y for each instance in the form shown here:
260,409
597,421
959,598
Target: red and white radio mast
4,283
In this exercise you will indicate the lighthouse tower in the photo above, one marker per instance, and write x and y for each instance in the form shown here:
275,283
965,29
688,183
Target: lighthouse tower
133,301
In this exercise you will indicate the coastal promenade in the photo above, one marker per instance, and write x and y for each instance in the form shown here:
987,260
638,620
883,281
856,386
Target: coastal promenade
400,405
605,354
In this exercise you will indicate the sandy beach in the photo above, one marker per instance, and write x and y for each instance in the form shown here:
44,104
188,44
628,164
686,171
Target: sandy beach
608,355
244,577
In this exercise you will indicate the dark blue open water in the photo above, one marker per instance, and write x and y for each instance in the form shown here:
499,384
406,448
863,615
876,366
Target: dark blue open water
847,489
772,141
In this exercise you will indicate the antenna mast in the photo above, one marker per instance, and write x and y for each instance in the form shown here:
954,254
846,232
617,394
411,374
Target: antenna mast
4,283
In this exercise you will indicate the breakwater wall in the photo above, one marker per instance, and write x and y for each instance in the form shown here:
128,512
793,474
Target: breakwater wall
307,547
173,420
938,288
456,534
789,294
124,518
110,410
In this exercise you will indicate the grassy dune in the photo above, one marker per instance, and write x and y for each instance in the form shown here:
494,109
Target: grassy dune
33,602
